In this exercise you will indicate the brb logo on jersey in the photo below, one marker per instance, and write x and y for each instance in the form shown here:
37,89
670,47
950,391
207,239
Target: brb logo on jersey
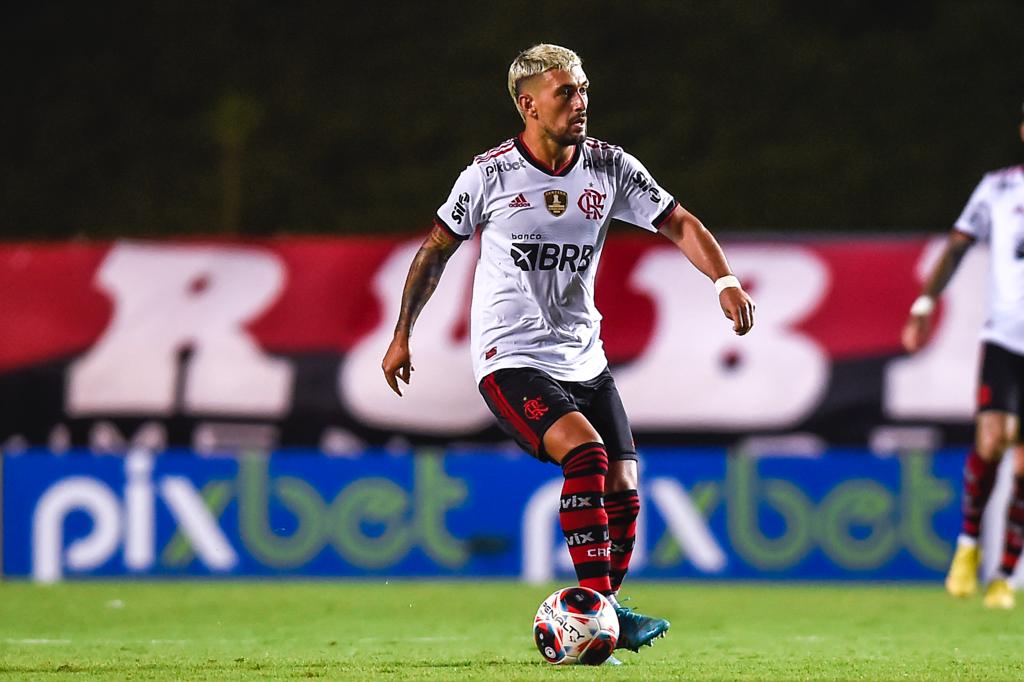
546,256
591,202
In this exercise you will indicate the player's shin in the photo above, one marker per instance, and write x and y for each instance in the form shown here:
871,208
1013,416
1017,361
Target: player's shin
622,507
979,479
1014,530
583,517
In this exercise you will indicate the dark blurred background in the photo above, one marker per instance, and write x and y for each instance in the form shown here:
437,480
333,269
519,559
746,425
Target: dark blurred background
256,118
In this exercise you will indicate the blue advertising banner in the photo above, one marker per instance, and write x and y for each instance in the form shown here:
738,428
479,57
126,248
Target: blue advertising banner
846,514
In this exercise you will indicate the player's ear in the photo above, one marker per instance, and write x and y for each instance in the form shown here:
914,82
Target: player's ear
526,105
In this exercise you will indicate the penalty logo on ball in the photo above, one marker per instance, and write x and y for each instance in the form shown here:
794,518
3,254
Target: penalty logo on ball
576,625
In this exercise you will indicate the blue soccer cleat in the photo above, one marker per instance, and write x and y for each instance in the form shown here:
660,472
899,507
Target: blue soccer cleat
637,630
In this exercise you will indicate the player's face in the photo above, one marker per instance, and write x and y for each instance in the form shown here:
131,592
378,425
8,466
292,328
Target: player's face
560,105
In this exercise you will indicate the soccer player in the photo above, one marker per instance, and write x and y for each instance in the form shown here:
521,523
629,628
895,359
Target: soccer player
994,213
542,202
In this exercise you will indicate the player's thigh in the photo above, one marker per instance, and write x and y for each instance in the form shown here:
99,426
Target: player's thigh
1000,404
600,402
526,402
568,433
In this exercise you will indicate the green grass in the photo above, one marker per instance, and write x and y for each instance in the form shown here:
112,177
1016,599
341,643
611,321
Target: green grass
482,631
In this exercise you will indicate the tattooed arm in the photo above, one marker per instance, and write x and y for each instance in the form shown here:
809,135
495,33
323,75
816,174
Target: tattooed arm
918,326
424,274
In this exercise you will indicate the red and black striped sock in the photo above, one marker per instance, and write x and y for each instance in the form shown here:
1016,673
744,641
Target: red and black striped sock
1014,529
582,515
979,478
623,507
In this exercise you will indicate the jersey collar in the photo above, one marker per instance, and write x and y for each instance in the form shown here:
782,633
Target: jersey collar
558,172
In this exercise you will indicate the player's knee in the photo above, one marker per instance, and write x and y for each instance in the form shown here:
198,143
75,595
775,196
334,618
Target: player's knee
569,433
617,484
622,476
991,444
1018,460
992,436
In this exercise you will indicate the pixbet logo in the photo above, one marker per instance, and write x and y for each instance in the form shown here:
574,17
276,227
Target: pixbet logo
599,163
502,166
854,520
401,519
127,523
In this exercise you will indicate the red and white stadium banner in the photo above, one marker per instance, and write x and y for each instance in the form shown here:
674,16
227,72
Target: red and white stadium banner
214,344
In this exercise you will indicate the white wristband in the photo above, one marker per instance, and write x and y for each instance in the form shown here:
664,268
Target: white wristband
723,283
923,306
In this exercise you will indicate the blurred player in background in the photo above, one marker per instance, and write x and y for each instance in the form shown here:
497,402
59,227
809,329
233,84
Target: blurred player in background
994,213
542,202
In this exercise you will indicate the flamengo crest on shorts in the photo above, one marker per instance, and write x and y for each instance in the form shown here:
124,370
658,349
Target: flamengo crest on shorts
542,231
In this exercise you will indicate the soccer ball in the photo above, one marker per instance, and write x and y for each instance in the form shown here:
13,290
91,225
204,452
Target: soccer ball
576,625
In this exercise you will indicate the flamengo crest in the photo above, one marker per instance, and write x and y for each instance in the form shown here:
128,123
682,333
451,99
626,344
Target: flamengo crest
591,202
534,409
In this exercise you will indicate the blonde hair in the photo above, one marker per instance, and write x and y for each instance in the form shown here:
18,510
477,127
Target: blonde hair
537,60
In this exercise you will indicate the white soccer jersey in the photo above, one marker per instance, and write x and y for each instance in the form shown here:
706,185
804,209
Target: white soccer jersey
542,232
995,213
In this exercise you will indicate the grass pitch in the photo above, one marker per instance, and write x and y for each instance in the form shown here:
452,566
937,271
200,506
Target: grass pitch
482,631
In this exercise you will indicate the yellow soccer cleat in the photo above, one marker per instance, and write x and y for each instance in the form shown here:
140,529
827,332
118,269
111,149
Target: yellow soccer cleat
962,580
999,595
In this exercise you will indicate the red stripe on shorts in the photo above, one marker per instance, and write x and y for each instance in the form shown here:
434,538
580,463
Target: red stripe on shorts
507,411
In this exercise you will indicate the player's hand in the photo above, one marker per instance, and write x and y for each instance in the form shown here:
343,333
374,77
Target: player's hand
915,332
738,307
397,363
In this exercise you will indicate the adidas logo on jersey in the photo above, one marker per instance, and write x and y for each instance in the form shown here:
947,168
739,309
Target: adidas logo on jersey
519,202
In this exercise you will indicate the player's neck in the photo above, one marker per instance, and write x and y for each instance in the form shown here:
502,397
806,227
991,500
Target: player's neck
546,151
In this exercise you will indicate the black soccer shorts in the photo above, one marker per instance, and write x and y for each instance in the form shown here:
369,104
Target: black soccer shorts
527,402
1002,381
